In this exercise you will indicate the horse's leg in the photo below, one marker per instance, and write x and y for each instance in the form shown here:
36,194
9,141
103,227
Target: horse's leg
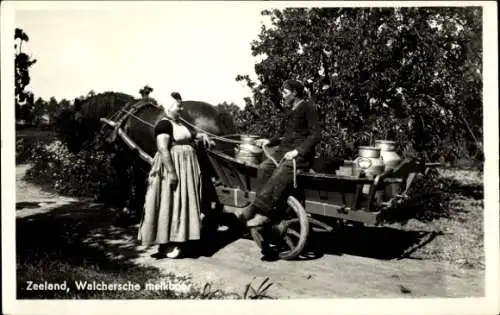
139,186
121,163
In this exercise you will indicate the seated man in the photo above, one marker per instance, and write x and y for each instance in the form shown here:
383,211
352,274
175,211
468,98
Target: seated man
300,132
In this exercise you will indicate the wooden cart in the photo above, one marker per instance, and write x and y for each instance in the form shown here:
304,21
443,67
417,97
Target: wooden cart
317,200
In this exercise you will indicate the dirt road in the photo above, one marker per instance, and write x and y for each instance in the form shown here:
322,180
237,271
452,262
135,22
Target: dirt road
238,263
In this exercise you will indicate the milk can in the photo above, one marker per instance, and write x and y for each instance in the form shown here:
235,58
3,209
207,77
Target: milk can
391,160
369,162
388,153
248,151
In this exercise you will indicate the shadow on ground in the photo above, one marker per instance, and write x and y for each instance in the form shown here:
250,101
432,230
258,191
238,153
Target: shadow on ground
372,242
467,190
82,237
79,242
30,204
76,232
358,240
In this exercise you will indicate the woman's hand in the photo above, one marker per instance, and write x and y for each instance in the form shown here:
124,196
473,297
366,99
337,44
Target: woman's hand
261,142
173,180
206,140
290,155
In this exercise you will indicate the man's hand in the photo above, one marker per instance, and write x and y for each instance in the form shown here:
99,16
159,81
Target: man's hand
262,142
290,155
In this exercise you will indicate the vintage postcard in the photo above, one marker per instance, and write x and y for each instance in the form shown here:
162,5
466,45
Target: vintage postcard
274,157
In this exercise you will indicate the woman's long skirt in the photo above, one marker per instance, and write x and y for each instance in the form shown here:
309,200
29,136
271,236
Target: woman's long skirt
172,214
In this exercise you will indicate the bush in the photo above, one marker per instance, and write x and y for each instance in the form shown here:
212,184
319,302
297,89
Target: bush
86,174
27,142
24,151
434,196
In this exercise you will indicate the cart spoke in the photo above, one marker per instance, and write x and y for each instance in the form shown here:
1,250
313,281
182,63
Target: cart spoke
293,232
291,221
289,242
286,224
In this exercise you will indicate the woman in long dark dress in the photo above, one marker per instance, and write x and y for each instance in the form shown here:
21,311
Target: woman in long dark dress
172,215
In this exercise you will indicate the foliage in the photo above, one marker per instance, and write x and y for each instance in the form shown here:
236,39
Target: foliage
232,109
230,114
26,146
24,99
260,293
410,74
86,174
428,199
40,109
67,125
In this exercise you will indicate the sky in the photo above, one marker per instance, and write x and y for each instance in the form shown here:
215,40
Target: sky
194,48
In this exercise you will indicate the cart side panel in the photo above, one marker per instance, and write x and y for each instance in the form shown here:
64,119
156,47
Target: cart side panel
218,170
342,197
232,173
335,211
343,191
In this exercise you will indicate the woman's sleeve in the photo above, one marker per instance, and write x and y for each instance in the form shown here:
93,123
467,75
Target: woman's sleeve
164,127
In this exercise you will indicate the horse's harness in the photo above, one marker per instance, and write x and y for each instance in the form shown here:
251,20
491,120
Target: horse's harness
131,109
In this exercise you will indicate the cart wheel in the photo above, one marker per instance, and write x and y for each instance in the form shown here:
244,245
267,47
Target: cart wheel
287,238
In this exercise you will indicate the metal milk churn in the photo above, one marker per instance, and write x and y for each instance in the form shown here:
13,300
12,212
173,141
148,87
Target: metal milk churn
388,152
248,151
391,160
369,162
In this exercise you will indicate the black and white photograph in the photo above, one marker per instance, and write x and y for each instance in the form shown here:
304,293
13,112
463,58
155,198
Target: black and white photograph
257,157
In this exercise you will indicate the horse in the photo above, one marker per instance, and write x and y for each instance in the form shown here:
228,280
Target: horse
127,127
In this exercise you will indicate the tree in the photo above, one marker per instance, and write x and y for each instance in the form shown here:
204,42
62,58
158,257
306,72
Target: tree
232,109
22,78
409,74
52,107
230,114
40,109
